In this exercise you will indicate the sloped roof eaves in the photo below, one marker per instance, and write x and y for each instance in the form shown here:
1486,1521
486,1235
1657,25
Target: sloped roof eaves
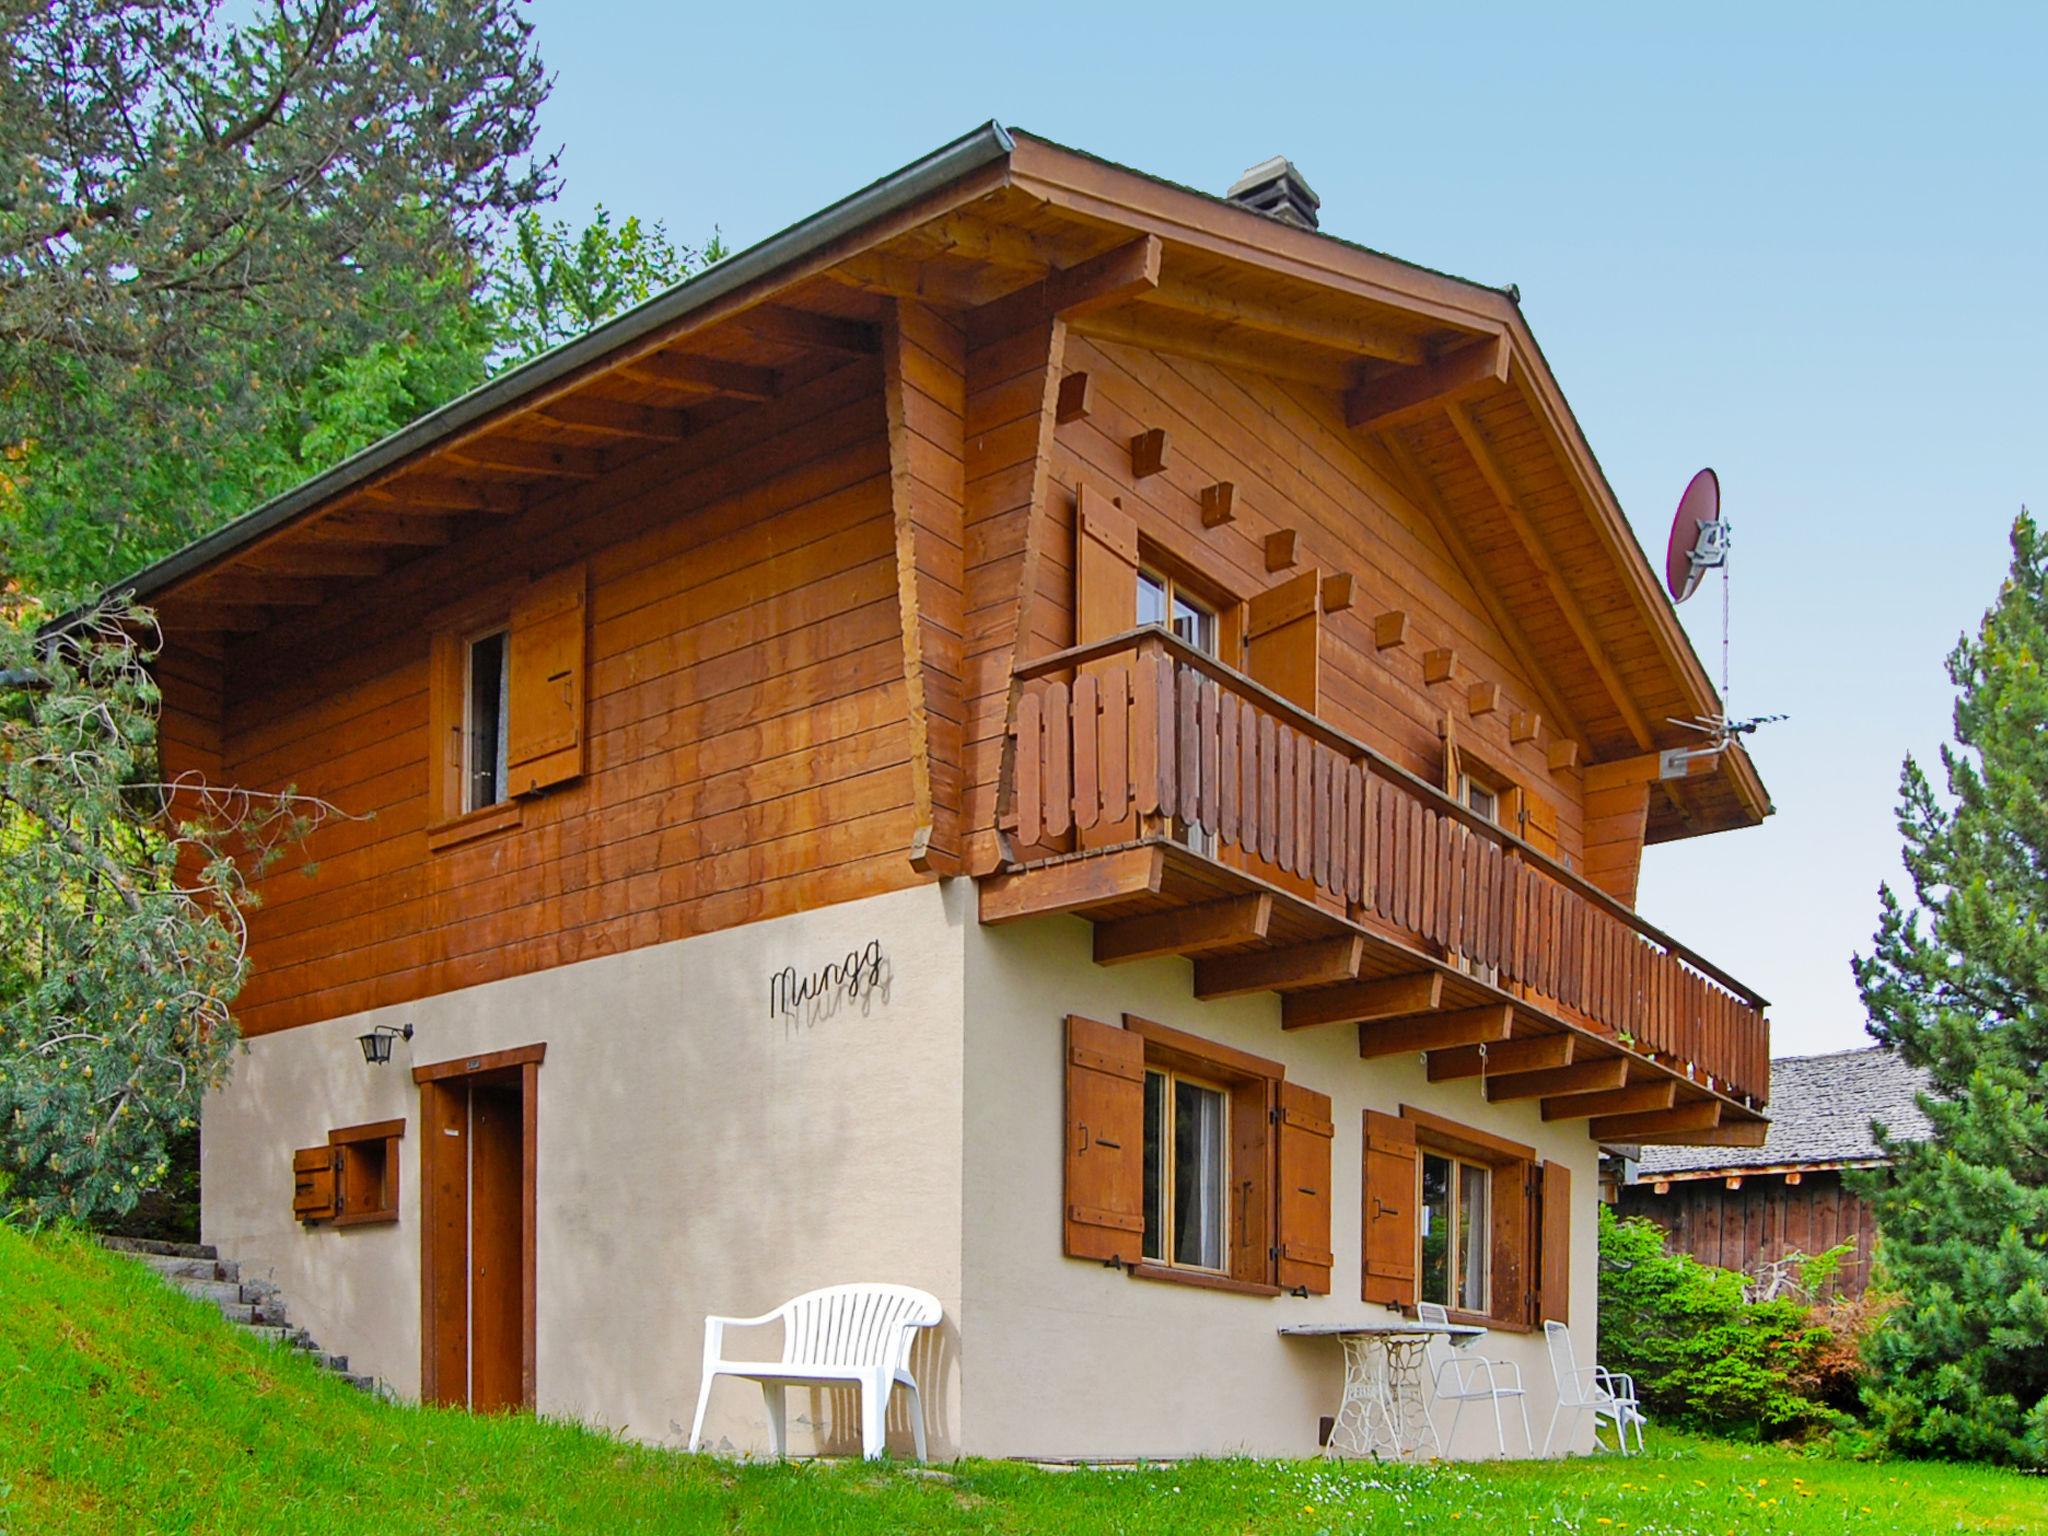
968,153
1821,1110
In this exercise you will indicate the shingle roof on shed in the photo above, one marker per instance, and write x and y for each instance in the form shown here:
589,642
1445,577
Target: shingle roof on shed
1821,1109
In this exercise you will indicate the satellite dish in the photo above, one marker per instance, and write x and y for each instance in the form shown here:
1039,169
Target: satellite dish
1699,539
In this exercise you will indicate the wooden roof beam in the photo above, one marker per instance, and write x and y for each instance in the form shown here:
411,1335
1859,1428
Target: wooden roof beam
534,458
1737,1133
1278,970
363,525
1354,338
1437,1031
1400,396
1384,997
1579,1077
298,559
1423,494
617,418
705,375
188,614
256,590
1532,1054
1546,568
1699,1115
1159,332
1118,274
415,492
1636,1098
1185,930
810,331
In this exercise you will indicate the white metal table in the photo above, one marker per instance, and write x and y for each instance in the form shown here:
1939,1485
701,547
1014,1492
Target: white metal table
1385,1364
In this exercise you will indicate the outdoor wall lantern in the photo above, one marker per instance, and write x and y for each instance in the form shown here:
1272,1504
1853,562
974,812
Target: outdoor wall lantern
377,1043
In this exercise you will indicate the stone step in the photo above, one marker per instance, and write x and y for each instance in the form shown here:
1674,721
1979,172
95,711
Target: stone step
175,1269
162,1250
222,1292
361,1383
276,1333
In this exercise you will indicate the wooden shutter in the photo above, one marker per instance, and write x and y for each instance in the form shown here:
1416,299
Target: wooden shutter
1105,568
1539,824
1283,630
544,654
1391,1189
1105,1193
1554,1243
1514,1245
1303,1235
315,1183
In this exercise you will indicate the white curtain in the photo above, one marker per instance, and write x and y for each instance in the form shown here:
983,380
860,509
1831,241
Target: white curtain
1200,1113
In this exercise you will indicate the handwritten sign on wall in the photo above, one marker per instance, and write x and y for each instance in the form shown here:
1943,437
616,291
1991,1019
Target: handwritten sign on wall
856,976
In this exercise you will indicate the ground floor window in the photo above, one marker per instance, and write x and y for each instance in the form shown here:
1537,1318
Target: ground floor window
1186,1170
1455,1232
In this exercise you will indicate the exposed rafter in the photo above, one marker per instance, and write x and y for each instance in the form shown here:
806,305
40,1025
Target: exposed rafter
1401,395
1160,332
1527,1055
1385,997
707,375
1350,338
1437,1031
617,418
1546,567
1415,480
1635,1098
806,329
1579,1077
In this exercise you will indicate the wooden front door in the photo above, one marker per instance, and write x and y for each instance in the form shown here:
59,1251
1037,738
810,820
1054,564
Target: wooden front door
476,1239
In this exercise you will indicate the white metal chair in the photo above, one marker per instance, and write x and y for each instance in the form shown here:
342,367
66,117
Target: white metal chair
843,1334
1603,1393
1461,1378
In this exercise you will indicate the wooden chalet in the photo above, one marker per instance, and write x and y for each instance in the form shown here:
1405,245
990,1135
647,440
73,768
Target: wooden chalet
1037,731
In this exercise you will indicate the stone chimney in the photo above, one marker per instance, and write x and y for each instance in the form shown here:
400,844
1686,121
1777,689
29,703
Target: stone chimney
1276,189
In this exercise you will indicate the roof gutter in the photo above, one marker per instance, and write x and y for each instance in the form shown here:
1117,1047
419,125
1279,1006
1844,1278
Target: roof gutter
970,152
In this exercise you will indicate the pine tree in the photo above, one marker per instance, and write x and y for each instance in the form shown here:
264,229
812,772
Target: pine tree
1958,984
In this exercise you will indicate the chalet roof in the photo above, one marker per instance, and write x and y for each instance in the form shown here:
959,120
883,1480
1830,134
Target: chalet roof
1821,1111
1446,399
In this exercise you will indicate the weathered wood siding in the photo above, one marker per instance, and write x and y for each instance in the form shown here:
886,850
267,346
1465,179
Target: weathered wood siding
1760,1223
748,728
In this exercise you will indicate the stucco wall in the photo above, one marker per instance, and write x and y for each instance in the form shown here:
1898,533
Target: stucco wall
1066,1358
695,1156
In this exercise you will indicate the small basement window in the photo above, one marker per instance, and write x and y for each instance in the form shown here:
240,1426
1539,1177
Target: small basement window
366,1172
485,719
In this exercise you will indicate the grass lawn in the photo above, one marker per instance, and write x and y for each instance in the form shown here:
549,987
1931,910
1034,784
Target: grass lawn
126,1408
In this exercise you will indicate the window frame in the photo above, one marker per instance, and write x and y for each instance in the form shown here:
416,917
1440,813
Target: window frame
1454,1221
1250,1085
1512,1224
1169,1167
501,771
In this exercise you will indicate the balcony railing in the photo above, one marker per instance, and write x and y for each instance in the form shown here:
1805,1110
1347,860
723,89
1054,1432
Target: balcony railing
1144,736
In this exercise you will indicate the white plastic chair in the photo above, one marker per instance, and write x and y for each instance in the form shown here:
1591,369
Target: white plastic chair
1462,1378
1603,1393
844,1333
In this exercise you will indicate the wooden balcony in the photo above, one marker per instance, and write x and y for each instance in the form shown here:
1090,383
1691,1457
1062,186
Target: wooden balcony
1187,810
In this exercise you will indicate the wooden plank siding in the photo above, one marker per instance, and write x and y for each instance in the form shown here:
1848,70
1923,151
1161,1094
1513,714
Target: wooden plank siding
818,532
749,732
1764,1221
1296,466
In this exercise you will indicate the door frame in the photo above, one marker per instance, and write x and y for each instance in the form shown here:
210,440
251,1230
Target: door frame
527,1058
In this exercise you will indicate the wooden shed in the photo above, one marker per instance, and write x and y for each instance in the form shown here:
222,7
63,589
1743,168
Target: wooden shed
1750,1208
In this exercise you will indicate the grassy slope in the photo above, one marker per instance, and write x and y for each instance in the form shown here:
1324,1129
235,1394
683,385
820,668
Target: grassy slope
126,1408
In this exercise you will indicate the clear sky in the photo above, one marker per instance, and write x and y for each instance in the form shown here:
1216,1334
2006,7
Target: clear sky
1804,245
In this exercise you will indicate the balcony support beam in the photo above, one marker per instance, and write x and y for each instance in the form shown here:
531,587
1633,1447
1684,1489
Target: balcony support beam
1187,931
1700,1115
1580,1077
1073,886
1385,997
1532,1054
1279,970
1637,1098
1737,1133
1437,1031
